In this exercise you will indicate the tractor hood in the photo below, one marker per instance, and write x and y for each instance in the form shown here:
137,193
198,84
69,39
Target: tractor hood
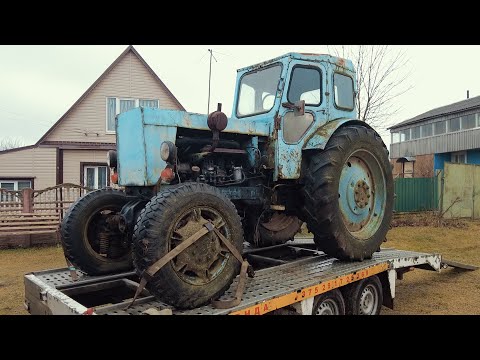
141,131
190,120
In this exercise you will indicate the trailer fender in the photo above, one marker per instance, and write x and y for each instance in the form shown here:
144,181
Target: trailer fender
388,280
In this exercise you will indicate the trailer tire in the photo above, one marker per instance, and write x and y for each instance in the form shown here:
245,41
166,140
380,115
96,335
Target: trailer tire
81,226
330,303
204,270
348,193
364,297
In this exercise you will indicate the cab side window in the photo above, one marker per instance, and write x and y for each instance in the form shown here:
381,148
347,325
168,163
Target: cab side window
343,91
305,84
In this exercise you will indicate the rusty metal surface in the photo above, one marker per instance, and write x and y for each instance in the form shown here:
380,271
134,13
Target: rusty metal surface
279,221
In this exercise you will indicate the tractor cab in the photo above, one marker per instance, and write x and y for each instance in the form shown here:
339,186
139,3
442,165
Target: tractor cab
296,94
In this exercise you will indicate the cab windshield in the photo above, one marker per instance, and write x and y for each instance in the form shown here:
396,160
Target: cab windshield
257,91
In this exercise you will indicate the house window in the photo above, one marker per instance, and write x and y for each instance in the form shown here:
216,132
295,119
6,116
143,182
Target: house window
468,122
416,132
427,130
453,125
95,177
396,137
116,106
13,185
440,127
405,135
148,103
459,157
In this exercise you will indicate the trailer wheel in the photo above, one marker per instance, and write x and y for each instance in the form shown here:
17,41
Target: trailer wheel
205,269
330,303
348,194
364,297
90,238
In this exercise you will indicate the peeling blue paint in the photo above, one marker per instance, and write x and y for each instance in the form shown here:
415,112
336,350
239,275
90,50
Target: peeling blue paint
141,131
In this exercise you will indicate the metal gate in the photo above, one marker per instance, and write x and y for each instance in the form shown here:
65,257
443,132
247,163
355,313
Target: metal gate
416,194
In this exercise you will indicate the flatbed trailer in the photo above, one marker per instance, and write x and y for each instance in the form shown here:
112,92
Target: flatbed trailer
288,280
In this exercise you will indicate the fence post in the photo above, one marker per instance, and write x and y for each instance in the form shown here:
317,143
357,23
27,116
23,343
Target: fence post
27,207
27,200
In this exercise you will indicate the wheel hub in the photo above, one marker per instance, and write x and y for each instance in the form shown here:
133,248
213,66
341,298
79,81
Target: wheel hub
368,301
362,194
202,261
327,307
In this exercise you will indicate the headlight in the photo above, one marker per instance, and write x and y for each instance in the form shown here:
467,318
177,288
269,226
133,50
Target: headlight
168,152
112,158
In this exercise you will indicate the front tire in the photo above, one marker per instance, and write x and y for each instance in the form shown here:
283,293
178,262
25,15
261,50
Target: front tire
205,269
349,194
89,241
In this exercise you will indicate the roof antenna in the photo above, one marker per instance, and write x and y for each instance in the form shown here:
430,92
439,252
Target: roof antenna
468,94
209,78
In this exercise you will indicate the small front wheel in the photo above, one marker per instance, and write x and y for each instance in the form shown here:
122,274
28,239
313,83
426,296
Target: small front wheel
205,269
90,235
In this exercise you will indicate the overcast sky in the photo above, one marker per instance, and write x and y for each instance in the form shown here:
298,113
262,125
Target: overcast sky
38,84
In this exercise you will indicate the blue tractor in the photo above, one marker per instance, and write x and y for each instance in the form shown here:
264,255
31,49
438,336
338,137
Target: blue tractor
292,152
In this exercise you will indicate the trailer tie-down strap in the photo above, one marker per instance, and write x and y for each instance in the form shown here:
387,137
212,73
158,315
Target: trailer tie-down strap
149,273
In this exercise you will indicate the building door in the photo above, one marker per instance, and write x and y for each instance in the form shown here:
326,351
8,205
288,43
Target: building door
95,177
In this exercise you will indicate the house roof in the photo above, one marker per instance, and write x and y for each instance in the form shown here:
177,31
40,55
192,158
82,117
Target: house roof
18,149
443,110
122,55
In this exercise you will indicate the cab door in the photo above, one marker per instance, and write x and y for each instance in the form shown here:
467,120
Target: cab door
307,82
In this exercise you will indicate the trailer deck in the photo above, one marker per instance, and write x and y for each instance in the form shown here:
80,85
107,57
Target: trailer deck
286,275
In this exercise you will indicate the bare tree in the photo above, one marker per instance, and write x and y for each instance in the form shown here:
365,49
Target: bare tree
381,78
11,143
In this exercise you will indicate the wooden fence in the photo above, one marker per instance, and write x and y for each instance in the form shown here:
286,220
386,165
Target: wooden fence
54,200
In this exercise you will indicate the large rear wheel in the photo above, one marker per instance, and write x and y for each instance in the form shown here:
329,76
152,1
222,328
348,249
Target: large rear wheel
90,235
205,269
349,194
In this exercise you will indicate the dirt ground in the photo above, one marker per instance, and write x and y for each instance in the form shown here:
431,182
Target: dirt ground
421,292
14,263
449,292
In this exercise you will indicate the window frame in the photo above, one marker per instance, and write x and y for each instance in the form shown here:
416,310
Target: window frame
306,67
84,165
117,108
16,180
459,124
412,132
239,89
458,153
333,91
445,121
145,99
474,123
422,127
